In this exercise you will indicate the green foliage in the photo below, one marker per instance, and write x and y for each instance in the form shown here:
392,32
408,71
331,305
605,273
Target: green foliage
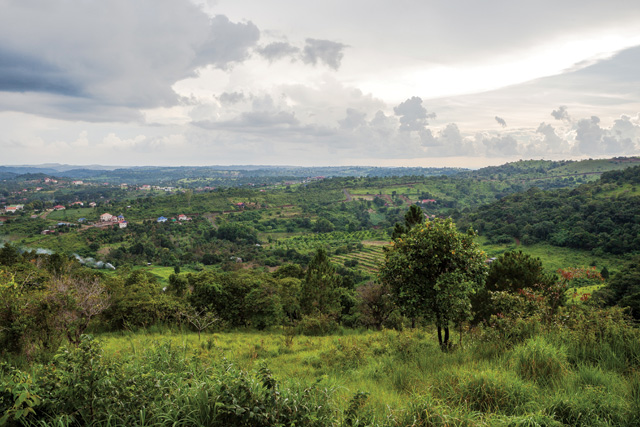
624,289
592,216
138,301
17,396
319,293
510,272
433,270
317,324
412,217
236,232
79,383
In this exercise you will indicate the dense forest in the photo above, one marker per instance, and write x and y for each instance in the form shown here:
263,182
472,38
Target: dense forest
602,216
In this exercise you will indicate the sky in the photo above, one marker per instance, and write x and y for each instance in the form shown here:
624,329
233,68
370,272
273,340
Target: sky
460,83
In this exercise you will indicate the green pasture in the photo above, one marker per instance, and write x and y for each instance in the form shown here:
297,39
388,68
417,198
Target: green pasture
73,214
555,257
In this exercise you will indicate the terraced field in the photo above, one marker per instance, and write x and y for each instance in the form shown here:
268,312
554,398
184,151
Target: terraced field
368,258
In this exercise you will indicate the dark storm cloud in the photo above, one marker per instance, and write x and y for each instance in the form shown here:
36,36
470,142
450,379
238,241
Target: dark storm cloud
118,54
413,116
277,50
561,114
501,121
21,73
325,51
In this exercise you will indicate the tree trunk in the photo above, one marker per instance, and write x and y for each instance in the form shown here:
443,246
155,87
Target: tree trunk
440,336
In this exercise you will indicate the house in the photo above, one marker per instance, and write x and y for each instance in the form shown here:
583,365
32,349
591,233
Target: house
82,219
77,204
122,224
146,187
77,182
162,219
93,204
124,186
106,217
10,209
425,201
58,208
183,217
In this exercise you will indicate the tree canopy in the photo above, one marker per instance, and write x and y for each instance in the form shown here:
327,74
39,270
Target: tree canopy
433,270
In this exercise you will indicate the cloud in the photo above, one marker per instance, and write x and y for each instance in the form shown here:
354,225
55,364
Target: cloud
20,72
231,97
277,50
109,56
501,146
592,139
551,142
325,51
353,120
561,114
501,121
413,116
226,43
589,136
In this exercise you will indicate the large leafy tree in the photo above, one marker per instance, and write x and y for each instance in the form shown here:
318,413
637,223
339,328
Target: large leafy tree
432,271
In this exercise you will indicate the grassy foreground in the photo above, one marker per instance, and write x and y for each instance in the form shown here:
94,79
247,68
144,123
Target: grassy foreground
526,376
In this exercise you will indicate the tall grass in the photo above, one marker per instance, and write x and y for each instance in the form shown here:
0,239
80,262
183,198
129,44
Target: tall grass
385,378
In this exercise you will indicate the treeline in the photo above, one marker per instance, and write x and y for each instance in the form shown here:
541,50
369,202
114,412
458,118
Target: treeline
46,299
601,216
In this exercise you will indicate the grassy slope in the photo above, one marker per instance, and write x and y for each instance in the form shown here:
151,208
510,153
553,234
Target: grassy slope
478,384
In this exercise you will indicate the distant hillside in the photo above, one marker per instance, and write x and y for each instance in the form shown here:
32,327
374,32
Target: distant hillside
194,176
600,216
539,172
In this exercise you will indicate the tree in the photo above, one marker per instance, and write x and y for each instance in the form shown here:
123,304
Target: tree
432,270
319,293
79,301
375,304
412,217
510,272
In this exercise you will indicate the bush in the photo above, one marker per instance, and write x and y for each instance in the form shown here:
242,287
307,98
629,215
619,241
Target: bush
317,325
539,361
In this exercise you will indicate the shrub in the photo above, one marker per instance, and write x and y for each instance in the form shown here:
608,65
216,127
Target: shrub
317,325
